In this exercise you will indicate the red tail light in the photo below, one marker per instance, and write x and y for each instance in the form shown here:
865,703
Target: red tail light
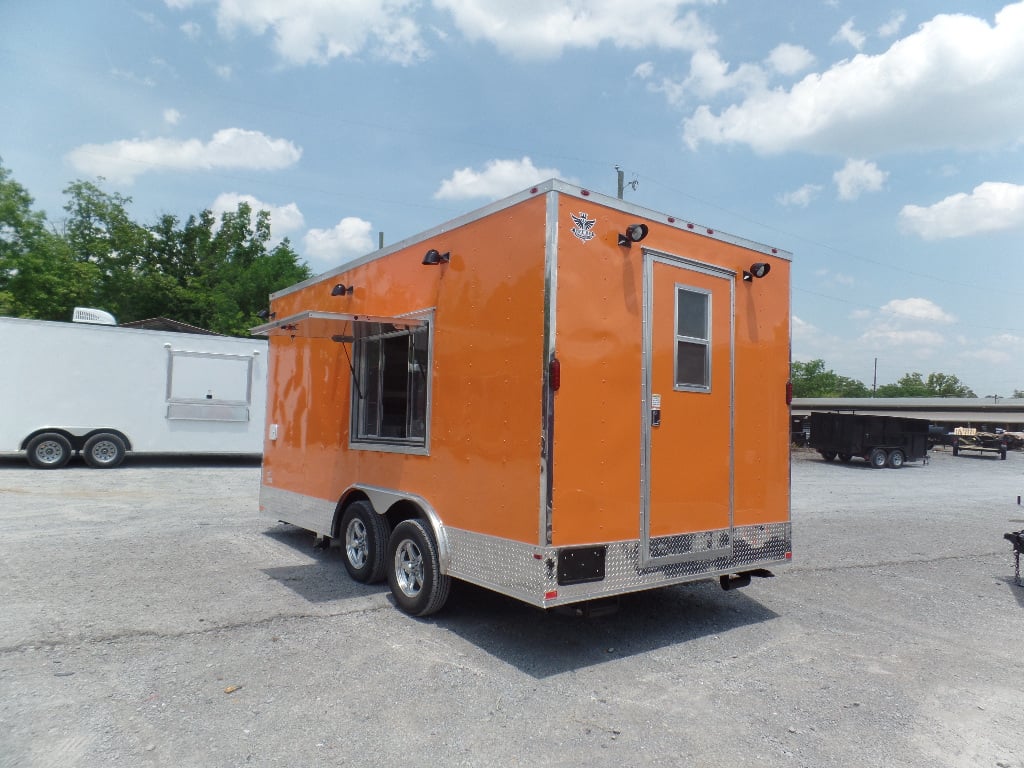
789,393
554,374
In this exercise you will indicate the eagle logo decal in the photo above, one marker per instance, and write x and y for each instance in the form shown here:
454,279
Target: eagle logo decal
584,226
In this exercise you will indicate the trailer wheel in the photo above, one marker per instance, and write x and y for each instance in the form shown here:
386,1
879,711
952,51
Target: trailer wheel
846,458
414,574
827,455
364,536
50,450
877,458
896,458
103,451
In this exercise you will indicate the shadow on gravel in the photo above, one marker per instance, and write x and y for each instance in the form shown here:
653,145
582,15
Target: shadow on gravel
538,642
545,643
318,582
1015,589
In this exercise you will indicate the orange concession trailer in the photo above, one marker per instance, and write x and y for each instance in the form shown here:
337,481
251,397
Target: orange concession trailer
561,397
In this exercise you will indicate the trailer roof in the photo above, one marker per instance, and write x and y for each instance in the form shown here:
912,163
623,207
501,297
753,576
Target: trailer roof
551,185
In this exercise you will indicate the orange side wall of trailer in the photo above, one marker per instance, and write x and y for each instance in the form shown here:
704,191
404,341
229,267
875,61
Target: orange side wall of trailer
485,472
482,473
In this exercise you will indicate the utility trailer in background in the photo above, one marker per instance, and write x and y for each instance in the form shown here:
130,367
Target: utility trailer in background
103,391
879,440
970,439
510,399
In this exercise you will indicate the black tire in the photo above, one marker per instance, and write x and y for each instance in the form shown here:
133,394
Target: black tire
827,455
414,569
364,542
846,458
877,458
104,451
896,458
50,450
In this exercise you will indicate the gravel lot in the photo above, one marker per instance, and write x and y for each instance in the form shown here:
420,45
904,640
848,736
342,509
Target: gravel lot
150,618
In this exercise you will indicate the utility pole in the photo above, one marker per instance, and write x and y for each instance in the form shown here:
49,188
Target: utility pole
380,240
874,381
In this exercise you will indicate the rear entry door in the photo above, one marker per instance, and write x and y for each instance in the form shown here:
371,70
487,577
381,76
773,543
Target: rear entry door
687,418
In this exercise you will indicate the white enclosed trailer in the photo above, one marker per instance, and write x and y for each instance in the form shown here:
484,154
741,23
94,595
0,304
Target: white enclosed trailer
103,390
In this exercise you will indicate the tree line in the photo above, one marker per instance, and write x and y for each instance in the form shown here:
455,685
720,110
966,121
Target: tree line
812,379
215,273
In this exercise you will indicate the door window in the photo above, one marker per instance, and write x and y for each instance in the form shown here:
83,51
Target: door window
693,340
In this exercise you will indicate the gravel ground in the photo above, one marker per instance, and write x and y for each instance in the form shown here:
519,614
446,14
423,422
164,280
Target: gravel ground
150,618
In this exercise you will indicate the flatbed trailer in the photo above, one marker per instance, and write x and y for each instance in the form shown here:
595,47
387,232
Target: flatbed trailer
879,440
971,440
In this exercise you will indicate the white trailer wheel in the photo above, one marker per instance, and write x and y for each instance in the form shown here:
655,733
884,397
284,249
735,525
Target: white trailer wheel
49,450
104,451
414,575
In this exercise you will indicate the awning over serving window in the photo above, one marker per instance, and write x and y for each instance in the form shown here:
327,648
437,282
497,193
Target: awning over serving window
336,325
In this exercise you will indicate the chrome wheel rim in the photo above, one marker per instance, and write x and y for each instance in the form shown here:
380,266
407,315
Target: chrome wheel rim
356,545
409,568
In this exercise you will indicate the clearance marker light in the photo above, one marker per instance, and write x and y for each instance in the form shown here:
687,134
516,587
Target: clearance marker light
551,595
555,374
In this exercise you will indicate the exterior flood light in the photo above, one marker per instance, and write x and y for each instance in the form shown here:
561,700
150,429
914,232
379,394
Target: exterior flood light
634,234
758,270
342,290
432,257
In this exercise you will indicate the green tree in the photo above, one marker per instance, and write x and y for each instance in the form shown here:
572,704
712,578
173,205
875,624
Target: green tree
38,275
936,385
812,379
216,274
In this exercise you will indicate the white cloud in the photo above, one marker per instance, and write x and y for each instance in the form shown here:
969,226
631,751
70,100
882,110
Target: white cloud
283,218
710,75
346,240
917,309
857,177
223,72
990,207
545,28
191,29
314,31
920,340
497,179
230,148
849,34
957,74
800,198
788,59
644,70
172,116
893,25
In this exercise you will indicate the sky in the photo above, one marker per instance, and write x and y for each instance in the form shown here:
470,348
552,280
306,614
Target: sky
882,143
